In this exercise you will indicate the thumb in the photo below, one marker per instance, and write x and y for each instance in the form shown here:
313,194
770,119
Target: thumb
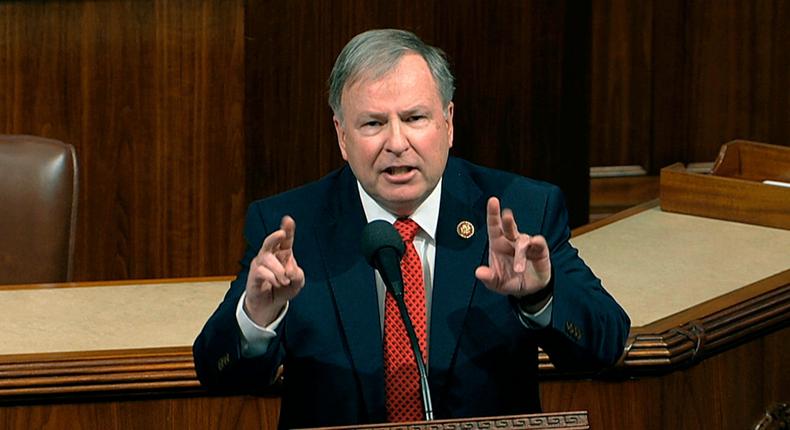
487,276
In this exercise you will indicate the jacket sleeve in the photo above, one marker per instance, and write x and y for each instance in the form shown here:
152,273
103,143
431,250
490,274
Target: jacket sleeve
588,328
217,350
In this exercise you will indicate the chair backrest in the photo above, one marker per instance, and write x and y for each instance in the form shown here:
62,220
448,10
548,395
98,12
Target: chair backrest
38,209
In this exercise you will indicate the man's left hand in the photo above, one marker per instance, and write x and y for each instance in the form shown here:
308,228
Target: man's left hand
518,264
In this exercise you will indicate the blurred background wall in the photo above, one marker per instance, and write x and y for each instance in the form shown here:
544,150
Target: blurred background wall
183,112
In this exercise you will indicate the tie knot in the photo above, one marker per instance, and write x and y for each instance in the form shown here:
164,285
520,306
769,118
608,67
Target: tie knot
407,228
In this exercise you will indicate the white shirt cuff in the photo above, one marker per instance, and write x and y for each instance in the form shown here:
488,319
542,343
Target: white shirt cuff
540,319
255,339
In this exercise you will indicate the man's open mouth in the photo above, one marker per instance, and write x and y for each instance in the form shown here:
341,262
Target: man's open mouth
398,170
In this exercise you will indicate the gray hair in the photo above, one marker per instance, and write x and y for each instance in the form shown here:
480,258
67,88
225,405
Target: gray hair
374,53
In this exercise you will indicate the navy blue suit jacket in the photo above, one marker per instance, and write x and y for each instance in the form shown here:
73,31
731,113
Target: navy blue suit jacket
482,360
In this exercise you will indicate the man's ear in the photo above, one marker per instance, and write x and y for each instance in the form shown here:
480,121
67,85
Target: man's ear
341,136
449,120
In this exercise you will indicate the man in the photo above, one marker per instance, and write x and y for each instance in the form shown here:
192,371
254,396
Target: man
493,284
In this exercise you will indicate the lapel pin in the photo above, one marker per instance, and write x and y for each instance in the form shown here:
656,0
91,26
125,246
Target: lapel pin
465,229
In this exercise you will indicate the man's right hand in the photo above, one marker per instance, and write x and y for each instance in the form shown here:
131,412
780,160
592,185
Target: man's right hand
274,276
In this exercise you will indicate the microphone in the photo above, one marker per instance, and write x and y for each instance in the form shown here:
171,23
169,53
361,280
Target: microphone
383,249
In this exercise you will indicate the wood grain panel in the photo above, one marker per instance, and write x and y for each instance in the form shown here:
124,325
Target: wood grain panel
609,196
739,73
669,101
520,101
730,390
621,67
240,412
673,80
151,95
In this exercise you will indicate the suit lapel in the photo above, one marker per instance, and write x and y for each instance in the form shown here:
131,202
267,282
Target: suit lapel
456,261
352,282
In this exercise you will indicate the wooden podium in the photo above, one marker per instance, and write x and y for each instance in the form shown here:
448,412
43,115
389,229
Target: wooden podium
709,301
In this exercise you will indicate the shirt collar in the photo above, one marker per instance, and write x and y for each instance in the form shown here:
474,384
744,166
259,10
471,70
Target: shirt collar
426,215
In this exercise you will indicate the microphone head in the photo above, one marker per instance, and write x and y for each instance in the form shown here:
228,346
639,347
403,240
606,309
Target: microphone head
377,235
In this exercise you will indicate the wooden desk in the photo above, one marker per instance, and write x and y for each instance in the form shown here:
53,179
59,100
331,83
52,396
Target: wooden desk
709,303
674,272
709,300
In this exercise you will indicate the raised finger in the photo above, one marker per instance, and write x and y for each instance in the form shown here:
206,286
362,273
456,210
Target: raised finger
509,226
288,225
493,219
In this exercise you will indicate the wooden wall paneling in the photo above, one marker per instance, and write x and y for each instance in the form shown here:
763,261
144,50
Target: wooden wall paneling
572,151
627,404
674,80
238,412
151,95
775,378
289,52
723,75
733,77
774,40
199,90
621,71
522,91
669,101
508,58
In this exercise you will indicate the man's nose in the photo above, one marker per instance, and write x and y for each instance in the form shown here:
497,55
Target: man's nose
397,141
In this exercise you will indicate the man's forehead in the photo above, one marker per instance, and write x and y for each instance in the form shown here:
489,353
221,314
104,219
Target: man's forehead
414,74
376,71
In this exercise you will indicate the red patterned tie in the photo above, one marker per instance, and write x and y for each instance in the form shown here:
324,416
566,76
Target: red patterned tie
402,381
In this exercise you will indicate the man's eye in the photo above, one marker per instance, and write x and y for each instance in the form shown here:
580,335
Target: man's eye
371,124
415,118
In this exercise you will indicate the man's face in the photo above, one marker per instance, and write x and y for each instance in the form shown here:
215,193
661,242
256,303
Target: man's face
395,135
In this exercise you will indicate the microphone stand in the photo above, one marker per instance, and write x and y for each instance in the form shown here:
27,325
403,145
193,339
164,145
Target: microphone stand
391,251
425,390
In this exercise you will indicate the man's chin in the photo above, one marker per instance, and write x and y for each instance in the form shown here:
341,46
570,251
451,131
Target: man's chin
401,204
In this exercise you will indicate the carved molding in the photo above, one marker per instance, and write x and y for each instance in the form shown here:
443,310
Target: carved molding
563,420
687,342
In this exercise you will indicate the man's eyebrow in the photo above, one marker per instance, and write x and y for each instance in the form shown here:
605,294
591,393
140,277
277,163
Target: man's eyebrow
371,114
416,109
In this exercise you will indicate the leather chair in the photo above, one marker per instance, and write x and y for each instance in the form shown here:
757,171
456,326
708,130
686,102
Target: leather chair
38,209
